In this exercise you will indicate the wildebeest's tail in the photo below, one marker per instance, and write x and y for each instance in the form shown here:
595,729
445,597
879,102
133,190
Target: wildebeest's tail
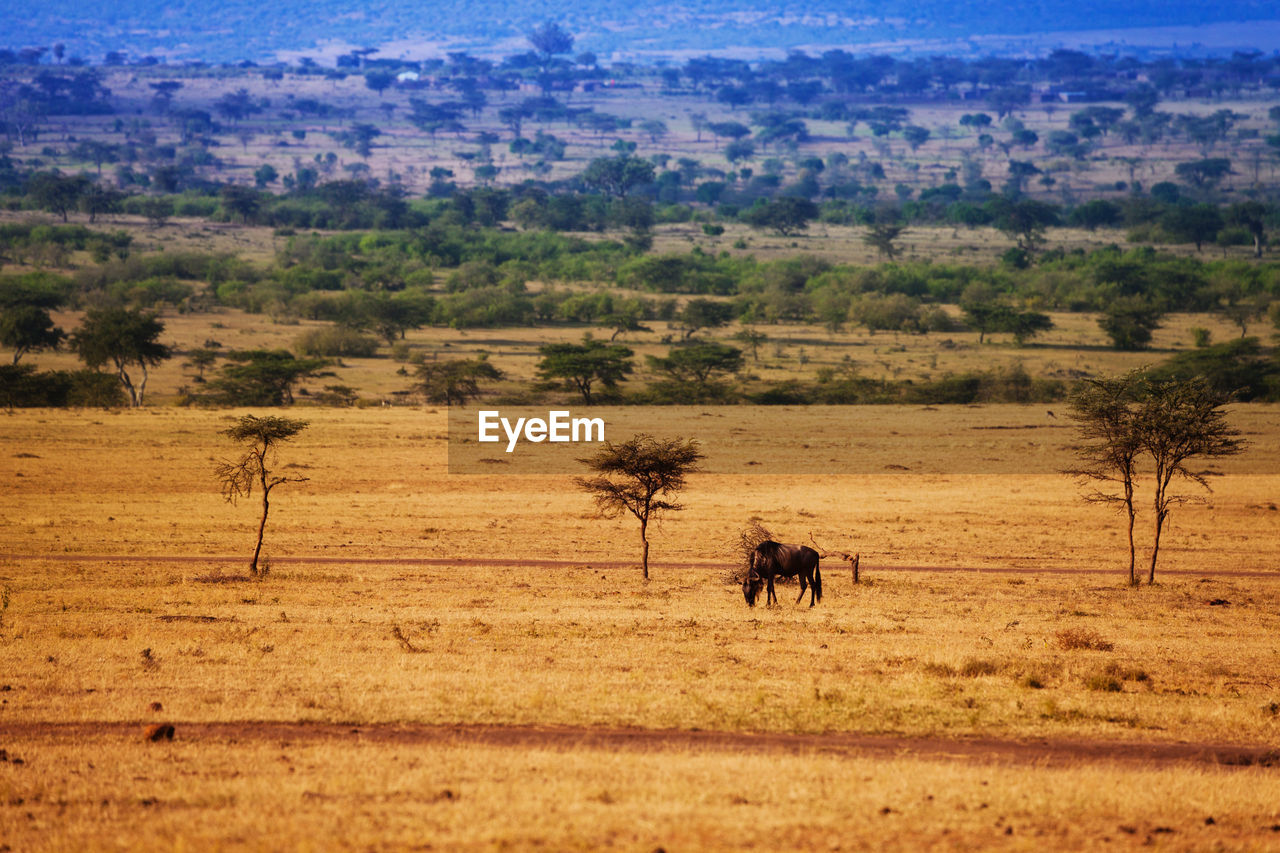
817,579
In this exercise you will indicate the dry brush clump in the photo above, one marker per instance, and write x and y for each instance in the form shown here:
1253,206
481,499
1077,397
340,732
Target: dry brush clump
1111,678
399,637
748,539
975,667
1070,639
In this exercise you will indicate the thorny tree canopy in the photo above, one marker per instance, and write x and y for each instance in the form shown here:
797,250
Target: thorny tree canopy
638,475
262,436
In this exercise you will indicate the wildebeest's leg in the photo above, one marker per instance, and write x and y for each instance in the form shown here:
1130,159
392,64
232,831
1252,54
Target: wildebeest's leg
804,584
773,596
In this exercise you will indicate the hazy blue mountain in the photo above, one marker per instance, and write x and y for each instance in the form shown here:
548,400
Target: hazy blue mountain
221,30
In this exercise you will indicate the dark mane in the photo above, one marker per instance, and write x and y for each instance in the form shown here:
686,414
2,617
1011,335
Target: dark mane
769,549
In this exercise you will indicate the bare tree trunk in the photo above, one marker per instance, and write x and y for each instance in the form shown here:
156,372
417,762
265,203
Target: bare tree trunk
128,386
1155,548
644,524
262,526
1133,577
1133,513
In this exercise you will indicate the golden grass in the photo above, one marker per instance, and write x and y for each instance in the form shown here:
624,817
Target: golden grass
511,644
913,653
118,793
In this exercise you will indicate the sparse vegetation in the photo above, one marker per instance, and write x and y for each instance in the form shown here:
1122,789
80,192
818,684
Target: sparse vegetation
262,438
1072,639
641,477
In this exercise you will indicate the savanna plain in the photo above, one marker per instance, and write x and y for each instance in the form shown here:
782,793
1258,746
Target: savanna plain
436,660
475,661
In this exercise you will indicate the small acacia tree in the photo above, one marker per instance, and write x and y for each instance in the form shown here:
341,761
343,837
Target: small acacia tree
261,437
125,339
881,237
454,382
1181,420
641,476
1169,422
1105,412
584,366
28,328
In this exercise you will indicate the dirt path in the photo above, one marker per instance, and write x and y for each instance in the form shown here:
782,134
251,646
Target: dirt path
502,562
1037,751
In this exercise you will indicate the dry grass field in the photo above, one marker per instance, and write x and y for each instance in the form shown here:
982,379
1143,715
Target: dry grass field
433,660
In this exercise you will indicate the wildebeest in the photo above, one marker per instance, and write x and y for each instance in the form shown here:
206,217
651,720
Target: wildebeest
773,559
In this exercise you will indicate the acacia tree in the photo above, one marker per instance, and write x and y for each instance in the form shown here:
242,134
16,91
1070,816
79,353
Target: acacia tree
1170,422
28,328
1251,215
641,476
1129,321
1181,420
549,39
57,193
582,366
124,338
751,338
378,81
242,201
1023,220
881,237
700,314
1104,411
698,363
1195,224
455,381
262,377
615,177
785,215
261,436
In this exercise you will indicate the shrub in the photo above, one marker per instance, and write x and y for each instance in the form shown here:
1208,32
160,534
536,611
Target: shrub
22,387
336,341
1082,638
974,667
1103,683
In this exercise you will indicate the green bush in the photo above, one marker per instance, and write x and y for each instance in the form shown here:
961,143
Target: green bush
336,342
21,386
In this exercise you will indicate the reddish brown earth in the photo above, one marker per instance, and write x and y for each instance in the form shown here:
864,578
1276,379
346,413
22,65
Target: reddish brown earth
1040,752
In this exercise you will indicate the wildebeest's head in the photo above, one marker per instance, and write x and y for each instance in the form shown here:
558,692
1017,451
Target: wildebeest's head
751,588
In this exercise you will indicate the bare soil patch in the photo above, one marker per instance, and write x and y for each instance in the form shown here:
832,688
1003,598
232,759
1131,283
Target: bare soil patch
1038,751
503,562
